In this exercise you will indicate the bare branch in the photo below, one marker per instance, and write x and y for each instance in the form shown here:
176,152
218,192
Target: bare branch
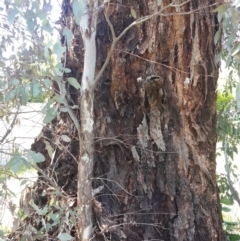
10,127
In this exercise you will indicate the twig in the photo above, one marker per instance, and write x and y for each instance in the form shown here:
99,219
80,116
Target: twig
10,127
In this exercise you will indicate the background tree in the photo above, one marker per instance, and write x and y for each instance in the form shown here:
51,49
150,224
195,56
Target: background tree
146,139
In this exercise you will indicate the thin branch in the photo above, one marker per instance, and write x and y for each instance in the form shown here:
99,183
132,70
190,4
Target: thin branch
10,127
24,112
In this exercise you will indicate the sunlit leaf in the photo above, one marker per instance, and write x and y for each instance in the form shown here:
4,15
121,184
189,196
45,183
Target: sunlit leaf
221,8
49,148
133,12
236,50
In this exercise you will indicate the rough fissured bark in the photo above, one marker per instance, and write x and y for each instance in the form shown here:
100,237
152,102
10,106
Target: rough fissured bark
154,118
155,126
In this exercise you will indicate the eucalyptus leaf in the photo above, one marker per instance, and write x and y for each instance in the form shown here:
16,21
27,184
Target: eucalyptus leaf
159,2
51,114
10,95
48,83
67,70
68,34
217,36
1,234
14,81
23,182
12,12
65,237
238,95
78,7
227,201
36,90
226,209
46,25
63,109
35,157
15,163
59,98
133,13
58,49
234,237
31,25
72,81
24,97
18,2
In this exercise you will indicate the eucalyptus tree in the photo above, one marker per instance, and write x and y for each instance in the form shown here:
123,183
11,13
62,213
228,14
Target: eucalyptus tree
147,108
132,135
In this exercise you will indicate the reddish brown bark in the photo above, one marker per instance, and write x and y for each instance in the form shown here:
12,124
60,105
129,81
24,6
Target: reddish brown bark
154,124
155,150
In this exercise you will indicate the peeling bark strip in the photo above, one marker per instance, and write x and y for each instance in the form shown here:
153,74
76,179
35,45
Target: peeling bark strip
85,166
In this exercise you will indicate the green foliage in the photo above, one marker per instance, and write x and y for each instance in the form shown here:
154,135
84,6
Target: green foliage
159,2
65,237
31,58
228,16
78,9
228,130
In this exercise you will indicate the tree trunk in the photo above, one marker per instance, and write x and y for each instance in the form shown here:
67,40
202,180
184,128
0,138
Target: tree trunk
154,123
